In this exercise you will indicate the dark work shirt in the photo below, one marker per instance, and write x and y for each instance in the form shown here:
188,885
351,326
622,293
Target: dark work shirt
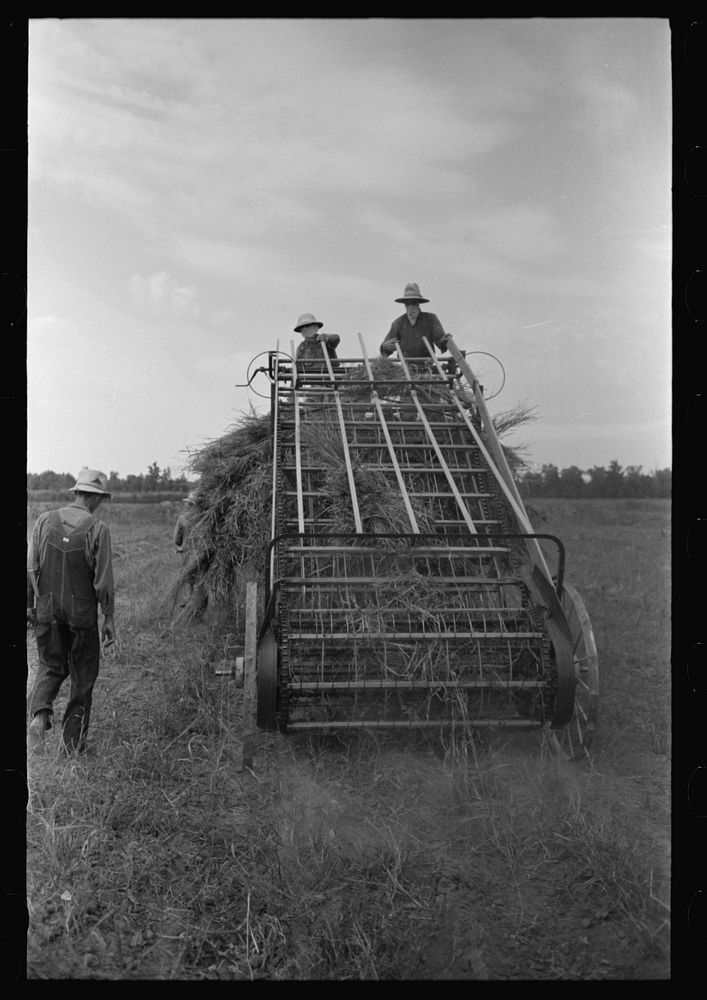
311,349
410,337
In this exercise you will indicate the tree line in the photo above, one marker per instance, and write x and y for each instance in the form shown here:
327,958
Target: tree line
613,483
155,480
549,481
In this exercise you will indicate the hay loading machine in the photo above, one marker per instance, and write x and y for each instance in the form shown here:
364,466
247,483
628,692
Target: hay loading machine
405,585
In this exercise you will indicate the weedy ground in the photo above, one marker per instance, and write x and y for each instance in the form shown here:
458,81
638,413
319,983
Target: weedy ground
159,856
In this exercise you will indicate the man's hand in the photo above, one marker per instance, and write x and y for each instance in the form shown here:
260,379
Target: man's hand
31,617
108,631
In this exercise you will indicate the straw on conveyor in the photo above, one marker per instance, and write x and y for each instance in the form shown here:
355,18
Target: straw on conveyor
232,513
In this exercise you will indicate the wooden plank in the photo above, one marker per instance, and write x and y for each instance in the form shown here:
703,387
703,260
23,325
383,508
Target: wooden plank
416,724
444,550
249,677
298,459
438,451
388,441
507,636
410,685
498,464
383,581
416,493
275,447
345,445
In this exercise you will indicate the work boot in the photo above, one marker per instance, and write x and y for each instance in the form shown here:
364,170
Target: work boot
38,729
74,733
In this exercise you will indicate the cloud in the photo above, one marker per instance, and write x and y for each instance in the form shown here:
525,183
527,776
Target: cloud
142,135
162,294
609,108
195,184
517,232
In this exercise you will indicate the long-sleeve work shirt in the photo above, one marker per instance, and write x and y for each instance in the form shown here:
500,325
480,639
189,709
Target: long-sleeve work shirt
410,335
311,348
97,550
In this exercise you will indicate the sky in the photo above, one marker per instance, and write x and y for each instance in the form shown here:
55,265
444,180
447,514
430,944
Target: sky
195,185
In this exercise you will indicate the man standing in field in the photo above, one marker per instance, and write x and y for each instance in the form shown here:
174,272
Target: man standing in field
69,574
195,602
409,330
181,528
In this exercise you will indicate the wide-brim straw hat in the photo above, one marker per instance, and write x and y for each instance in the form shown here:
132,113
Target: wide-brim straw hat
91,481
307,319
412,294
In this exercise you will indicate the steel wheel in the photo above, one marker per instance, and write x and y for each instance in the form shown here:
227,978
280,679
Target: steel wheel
576,737
267,681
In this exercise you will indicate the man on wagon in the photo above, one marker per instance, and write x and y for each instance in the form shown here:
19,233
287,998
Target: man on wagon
409,329
310,351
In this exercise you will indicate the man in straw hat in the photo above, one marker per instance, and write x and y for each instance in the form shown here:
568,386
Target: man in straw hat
314,342
69,575
310,351
409,330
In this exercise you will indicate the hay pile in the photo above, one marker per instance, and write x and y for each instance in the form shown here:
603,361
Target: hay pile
231,517
381,509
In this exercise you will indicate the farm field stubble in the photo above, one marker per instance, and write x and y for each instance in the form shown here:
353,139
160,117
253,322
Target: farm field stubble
158,856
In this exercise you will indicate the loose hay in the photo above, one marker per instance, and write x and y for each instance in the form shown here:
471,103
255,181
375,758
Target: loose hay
230,526
232,514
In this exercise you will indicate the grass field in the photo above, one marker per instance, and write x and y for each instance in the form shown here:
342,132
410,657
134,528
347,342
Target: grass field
158,856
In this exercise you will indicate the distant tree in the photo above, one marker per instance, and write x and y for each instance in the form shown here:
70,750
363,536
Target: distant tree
596,486
531,484
662,483
50,481
571,482
551,481
635,483
614,480
135,484
152,480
